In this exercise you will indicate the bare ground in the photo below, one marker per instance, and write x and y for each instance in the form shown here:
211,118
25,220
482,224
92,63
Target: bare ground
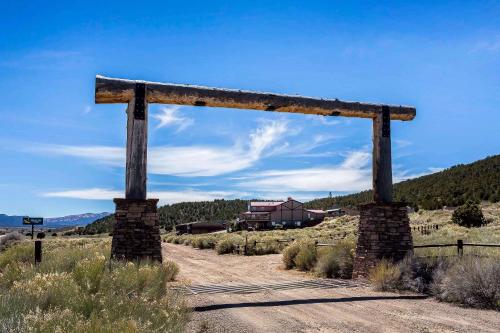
232,293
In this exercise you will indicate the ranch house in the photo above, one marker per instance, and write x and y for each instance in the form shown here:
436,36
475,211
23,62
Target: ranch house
288,214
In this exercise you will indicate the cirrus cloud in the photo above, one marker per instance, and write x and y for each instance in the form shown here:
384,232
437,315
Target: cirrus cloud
166,197
185,161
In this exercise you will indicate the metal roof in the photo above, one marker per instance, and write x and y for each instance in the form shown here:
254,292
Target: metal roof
266,203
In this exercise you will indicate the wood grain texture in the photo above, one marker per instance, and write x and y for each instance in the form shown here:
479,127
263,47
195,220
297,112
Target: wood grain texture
382,163
137,142
111,90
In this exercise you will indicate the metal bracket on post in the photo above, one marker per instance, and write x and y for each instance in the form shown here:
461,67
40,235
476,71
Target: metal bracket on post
140,105
386,121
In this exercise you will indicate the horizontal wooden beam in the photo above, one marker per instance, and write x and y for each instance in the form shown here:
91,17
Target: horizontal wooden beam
111,90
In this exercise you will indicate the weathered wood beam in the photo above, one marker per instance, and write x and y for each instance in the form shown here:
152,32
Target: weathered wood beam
137,143
382,161
111,90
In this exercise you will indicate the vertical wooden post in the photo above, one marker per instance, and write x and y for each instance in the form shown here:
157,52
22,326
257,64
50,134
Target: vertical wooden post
382,163
460,247
38,251
137,142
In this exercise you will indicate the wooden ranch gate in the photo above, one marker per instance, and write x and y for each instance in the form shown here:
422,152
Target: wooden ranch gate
384,230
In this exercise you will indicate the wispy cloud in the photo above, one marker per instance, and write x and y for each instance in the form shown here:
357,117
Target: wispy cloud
87,194
114,156
170,116
324,120
87,109
187,161
491,45
212,161
304,147
401,175
402,143
353,174
166,197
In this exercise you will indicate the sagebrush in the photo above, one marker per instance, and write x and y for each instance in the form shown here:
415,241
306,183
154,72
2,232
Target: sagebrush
77,289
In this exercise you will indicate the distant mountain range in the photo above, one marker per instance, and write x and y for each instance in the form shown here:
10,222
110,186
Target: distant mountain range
7,221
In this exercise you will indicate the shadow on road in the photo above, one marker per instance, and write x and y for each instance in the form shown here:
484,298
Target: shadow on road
304,301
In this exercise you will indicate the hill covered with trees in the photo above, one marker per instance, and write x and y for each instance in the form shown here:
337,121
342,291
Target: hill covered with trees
184,212
213,211
477,181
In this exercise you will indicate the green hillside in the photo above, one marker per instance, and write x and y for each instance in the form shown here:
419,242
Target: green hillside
102,225
217,210
478,181
184,212
451,187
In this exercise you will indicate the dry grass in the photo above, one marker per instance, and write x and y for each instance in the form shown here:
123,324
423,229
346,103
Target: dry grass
77,289
385,276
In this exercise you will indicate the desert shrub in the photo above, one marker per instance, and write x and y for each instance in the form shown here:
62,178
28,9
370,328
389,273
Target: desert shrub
225,246
203,242
336,261
9,239
54,234
40,235
306,257
289,254
470,281
266,247
468,215
327,265
385,276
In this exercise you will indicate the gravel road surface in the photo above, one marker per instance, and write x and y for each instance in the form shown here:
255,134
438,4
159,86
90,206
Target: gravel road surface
232,293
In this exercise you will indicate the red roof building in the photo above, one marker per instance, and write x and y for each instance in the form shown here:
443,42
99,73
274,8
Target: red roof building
287,214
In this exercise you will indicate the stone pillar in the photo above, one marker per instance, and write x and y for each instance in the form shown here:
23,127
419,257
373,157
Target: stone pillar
383,232
136,233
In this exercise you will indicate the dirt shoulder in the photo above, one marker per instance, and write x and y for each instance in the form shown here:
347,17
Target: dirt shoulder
232,293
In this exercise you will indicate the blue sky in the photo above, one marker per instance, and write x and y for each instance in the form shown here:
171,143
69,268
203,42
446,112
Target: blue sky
62,154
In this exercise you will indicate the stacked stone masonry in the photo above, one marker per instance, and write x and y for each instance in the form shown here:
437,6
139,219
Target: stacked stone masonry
383,232
136,233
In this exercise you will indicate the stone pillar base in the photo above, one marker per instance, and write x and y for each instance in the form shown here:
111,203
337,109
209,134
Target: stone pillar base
136,233
383,232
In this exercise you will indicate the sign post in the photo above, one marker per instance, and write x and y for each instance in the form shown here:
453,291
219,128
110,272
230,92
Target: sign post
32,221
38,244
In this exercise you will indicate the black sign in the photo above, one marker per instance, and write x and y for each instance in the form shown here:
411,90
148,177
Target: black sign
32,220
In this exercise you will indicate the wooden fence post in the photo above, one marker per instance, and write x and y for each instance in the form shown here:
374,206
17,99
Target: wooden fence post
246,243
38,251
460,247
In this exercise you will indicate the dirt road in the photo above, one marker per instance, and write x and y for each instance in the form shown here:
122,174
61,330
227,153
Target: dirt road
232,293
